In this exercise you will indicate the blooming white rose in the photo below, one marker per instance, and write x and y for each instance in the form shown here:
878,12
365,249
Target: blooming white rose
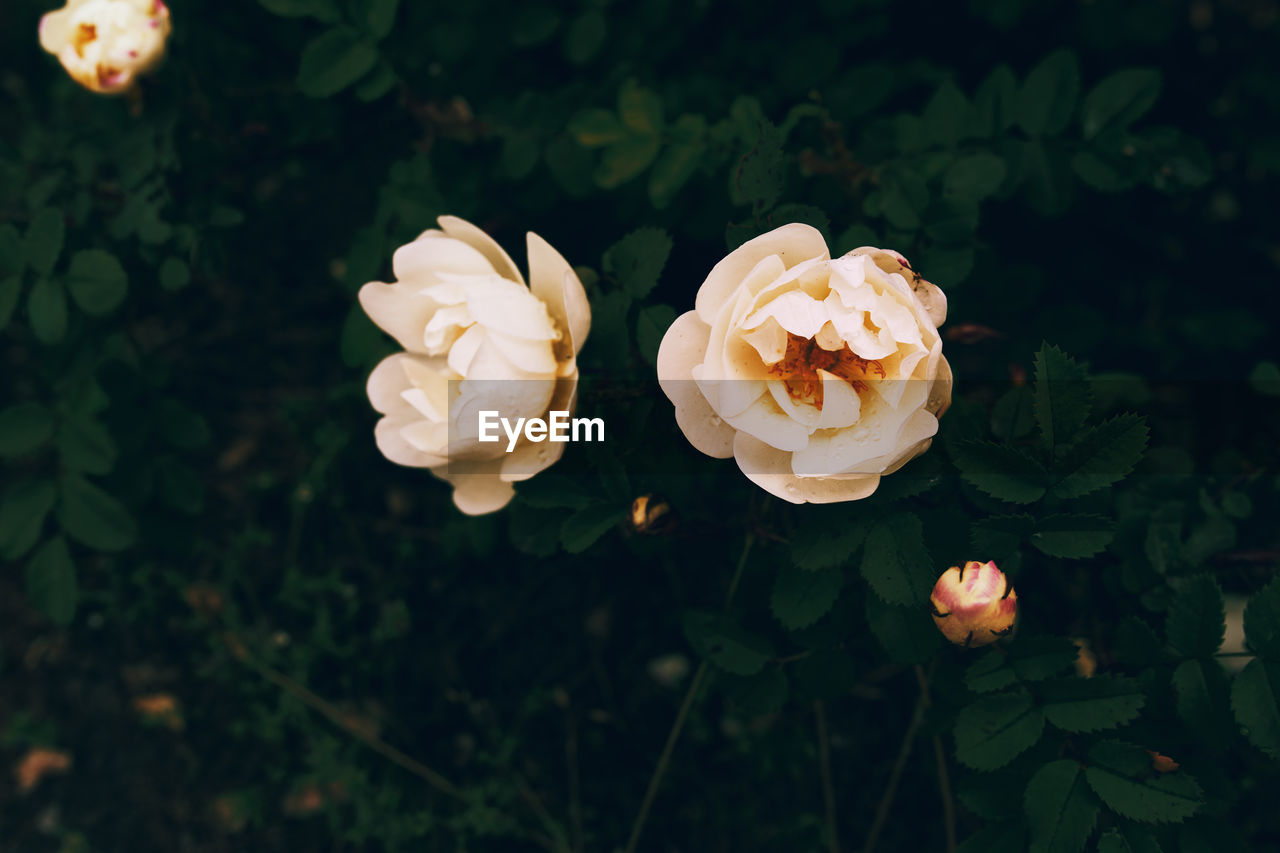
817,375
106,44
476,339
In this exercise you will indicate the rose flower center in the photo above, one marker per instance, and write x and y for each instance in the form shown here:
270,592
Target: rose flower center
800,364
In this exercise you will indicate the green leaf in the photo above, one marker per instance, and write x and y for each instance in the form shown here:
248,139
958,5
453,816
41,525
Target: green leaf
582,529
1100,172
1060,808
1072,536
907,634
1062,396
585,37
25,506
85,446
378,82
974,177
97,281
1122,776
1048,96
43,242
593,128
640,108
996,101
652,323
379,16
1113,842
990,673
91,516
1000,536
12,253
1203,701
324,10
1013,416
333,61
10,292
24,427
1004,472
895,561
997,729
1255,698
725,643
174,274
1119,100
1196,620
761,172
636,260
801,598
1038,658
1262,620
679,160
51,581
762,693
47,309
625,159
823,542
1091,704
179,425
948,117
1100,456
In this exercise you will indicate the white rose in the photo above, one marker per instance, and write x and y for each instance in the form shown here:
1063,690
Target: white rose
476,339
817,375
106,44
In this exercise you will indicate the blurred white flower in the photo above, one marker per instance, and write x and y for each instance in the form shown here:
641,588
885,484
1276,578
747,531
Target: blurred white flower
476,338
106,44
817,375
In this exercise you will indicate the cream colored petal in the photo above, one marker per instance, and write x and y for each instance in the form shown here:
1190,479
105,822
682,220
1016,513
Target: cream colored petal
940,389
428,437
577,314
769,341
445,327
55,29
929,295
797,312
510,308
434,252
464,349
553,281
802,413
430,392
792,243
841,405
461,229
477,486
769,468
529,458
391,443
683,346
764,420
729,397
532,356
386,383
398,311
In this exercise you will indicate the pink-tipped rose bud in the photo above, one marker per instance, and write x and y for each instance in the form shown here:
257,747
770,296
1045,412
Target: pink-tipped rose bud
974,605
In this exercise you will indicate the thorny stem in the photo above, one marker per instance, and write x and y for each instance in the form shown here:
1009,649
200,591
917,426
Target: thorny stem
824,767
674,735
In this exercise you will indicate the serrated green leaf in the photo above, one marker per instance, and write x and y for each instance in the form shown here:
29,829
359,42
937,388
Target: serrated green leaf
1038,658
22,513
652,323
51,581
333,61
1203,701
1119,100
907,634
895,561
1013,416
679,160
761,171
91,516
1262,620
725,643
42,244
997,729
822,543
1062,396
47,310
582,529
1000,535
1004,472
24,427
990,672
1100,456
1048,96
1196,620
1091,704
801,598
1255,699
625,159
1072,536
1113,842
96,281
1137,645
1122,776
636,260
1060,808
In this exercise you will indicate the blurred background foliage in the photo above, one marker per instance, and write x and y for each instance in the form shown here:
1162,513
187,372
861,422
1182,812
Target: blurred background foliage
226,623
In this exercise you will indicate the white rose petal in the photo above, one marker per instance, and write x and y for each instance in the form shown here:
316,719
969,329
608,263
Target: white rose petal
105,45
818,375
476,339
